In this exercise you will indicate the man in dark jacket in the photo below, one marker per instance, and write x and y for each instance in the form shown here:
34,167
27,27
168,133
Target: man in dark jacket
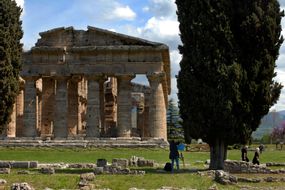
174,154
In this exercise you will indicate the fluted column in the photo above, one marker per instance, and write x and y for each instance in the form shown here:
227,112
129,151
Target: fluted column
73,106
124,105
11,129
102,104
19,112
61,105
30,123
93,107
157,109
48,101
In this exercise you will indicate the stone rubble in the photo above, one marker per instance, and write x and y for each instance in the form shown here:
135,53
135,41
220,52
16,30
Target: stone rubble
5,170
21,186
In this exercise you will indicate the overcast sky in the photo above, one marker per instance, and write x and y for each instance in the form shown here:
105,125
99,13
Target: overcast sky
153,20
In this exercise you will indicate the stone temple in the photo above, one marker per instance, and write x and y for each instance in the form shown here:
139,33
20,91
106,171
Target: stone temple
76,87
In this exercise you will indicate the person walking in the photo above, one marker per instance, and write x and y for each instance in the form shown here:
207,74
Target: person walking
255,159
244,154
174,155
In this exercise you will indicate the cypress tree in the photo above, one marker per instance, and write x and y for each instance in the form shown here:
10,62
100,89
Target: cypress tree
10,57
225,84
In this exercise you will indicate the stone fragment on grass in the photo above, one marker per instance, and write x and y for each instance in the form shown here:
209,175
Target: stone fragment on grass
271,179
224,177
87,176
120,162
21,186
47,170
3,181
99,170
5,170
5,164
213,187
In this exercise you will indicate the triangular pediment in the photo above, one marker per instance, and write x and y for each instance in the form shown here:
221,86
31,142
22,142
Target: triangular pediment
69,37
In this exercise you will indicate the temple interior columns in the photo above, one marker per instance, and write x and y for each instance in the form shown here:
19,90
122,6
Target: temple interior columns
74,118
48,102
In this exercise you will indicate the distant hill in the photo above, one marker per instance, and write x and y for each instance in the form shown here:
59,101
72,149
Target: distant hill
268,122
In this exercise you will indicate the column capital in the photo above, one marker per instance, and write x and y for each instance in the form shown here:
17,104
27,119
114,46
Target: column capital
156,76
22,83
76,78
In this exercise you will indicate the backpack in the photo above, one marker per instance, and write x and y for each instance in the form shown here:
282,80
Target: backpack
167,167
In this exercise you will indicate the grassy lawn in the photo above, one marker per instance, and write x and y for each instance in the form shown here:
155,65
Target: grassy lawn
68,179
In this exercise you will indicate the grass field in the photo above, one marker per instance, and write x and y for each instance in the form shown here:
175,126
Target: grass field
153,179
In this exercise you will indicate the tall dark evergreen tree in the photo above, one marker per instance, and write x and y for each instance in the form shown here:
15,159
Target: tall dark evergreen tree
226,79
174,128
10,57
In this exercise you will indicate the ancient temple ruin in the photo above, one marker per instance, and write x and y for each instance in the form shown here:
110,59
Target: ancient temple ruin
76,84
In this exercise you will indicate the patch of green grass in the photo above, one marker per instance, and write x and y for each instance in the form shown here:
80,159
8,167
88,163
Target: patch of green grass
69,178
41,181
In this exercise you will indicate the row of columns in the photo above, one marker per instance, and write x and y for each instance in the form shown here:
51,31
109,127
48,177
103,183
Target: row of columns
62,118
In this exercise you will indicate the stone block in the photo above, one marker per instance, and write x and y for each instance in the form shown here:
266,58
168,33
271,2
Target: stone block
87,176
34,164
120,162
47,170
99,170
101,162
4,164
3,181
21,186
20,164
5,170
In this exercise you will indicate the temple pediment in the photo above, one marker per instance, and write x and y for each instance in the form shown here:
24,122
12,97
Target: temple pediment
69,37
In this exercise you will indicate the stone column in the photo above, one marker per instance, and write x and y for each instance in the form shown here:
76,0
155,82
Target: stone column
19,112
102,104
39,86
30,123
61,103
124,105
74,119
48,101
93,107
157,109
11,129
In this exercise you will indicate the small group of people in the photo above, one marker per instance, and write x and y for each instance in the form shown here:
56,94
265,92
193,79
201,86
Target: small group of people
256,156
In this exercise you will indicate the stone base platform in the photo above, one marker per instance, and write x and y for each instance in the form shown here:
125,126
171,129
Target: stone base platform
83,143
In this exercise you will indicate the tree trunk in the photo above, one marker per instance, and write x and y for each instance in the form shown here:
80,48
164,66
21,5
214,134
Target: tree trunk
218,154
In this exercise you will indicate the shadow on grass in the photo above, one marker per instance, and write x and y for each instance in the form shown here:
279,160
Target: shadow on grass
73,171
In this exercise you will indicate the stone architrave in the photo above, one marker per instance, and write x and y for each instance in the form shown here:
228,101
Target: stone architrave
124,105
61,105
157,109
48,101
30,122
74,119
93,107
